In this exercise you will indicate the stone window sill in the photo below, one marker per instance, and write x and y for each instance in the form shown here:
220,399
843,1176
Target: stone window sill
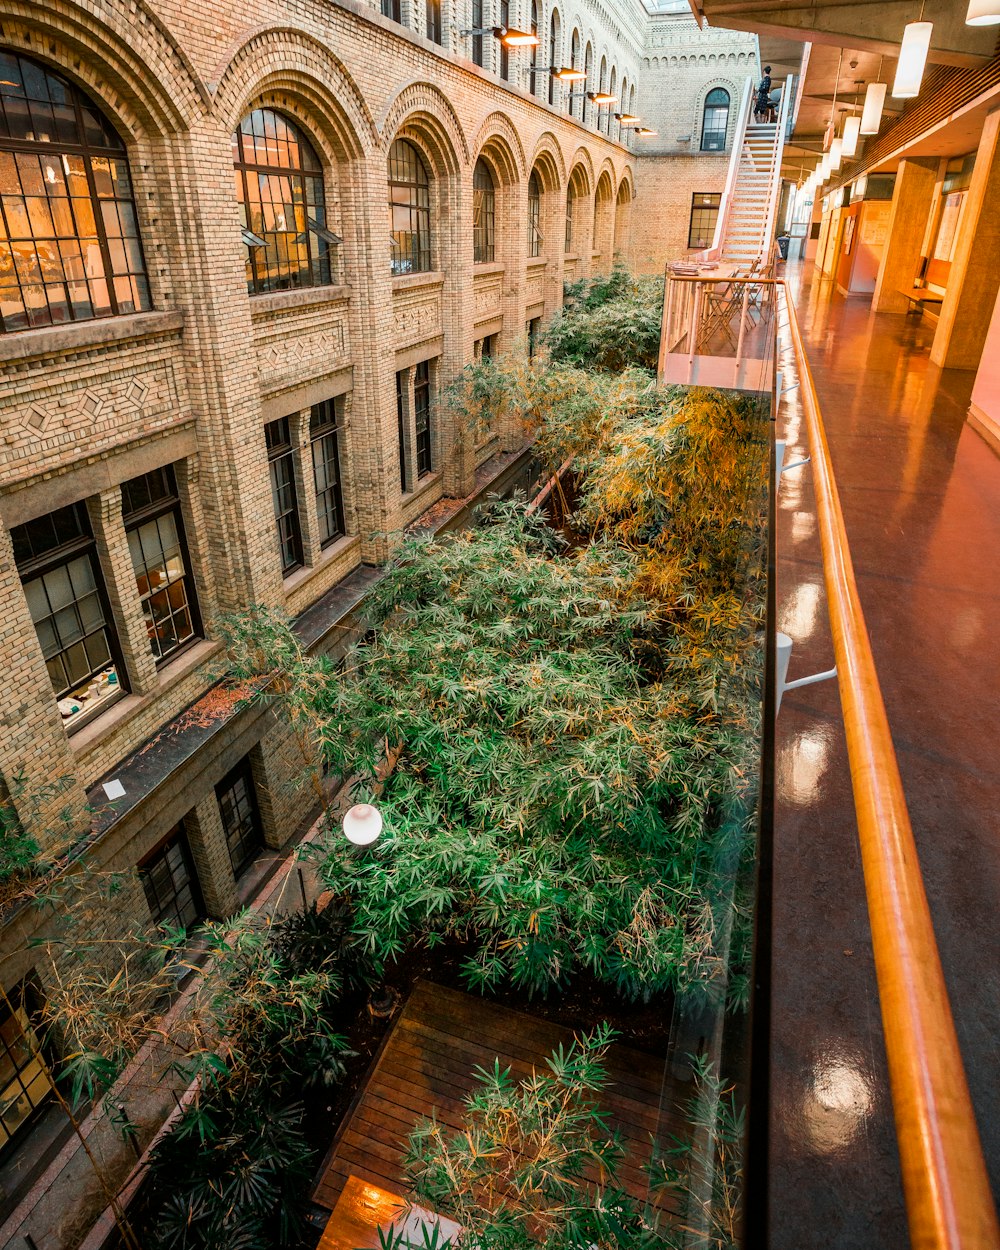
306,297
411,281
94,732
79,335
328,555
485,269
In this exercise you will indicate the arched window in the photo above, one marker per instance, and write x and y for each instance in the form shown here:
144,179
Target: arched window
716,121
409,209
483,213
600,87
611,108
534,215
574,61
572,198
553,53
279,185
588,69
70,249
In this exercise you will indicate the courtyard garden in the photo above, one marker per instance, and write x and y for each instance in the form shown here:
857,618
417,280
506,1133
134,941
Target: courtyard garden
557,716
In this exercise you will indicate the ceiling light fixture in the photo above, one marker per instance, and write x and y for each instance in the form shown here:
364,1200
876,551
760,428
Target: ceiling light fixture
871,114
983,13
912,58
852,131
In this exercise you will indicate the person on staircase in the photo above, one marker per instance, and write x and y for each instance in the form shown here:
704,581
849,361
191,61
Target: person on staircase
762,104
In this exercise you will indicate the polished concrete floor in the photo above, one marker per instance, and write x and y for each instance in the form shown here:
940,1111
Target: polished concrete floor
921,497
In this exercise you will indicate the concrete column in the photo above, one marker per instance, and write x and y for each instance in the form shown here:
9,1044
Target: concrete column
975,275
210,852
912,201
119,580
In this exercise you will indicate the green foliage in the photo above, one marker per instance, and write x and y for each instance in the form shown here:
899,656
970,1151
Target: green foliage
609,324
235,1169
703,1172
20,854
535,1166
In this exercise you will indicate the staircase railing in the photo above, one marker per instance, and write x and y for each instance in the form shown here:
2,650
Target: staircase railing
784,108
735,157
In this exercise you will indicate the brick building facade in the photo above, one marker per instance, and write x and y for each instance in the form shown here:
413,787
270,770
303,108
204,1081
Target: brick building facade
254,404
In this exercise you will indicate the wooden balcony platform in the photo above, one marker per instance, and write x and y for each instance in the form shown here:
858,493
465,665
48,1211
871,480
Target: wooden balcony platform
427,1063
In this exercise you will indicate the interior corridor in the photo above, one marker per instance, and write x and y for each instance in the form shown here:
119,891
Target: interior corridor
920,492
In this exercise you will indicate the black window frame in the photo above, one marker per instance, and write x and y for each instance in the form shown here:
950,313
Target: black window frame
26,1001
534,216
161,907
706,215
325,425
393,10
281,470
534,330
713,138
308,194
162,499
73,540
478,23
60,225
553,41
245,837
504,50
402,384
432,20
404,158
422,419
484,214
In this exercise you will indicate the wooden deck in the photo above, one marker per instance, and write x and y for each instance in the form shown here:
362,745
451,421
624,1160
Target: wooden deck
427,1063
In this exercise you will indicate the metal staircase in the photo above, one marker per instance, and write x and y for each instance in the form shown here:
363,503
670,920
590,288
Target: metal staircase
750,219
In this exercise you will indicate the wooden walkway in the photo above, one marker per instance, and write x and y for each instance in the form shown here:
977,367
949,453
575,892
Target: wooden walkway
427,1063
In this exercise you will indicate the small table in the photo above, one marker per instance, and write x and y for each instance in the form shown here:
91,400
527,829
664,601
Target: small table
362,1209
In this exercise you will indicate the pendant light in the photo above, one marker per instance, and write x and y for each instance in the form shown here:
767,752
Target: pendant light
836,154
983,13
912,58
871,116
852,130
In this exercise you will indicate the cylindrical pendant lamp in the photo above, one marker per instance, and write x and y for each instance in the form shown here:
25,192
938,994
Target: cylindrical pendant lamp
912,59
852,129
836,154
983,13
871,116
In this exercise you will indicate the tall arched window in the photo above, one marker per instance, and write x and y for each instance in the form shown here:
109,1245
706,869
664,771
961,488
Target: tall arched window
588,85
553,53
70,249
716,121
534,215
611,108
409,209
602,80
483,213
279,185
574,60
572,195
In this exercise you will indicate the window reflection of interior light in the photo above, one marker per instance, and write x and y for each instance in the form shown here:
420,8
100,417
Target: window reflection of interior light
50,174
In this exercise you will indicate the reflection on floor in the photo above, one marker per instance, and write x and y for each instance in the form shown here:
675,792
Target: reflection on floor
921,498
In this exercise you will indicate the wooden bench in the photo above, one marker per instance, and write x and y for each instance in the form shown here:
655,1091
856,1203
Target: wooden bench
919,296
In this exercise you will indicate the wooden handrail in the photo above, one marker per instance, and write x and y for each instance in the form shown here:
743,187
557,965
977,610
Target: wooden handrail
948,1201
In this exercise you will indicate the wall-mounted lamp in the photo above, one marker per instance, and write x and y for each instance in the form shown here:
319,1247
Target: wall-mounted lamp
564,73
509,38
644,132
626,119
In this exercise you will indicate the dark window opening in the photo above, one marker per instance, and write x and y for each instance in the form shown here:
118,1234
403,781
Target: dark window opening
534,216
237,801
405,484
56,556
483,214
170,883
152,514
504,51
477,24
286,511
393,9
409,209
716,121
422,418
704,214
324,433
25,1082
433,15
534,332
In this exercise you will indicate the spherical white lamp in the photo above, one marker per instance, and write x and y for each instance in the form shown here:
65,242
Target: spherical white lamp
362,824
